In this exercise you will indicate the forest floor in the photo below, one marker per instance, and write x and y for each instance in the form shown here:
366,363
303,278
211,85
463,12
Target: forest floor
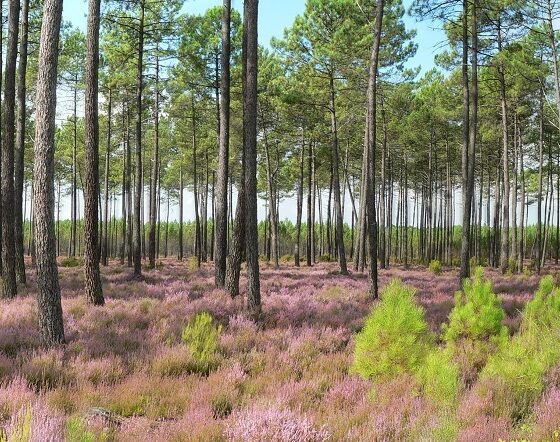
125,371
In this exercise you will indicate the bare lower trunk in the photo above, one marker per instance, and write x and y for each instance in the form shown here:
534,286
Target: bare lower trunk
250,142
93,288
48,297
9,284
20,145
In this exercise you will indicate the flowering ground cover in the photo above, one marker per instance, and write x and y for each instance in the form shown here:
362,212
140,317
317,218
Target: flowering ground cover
148,366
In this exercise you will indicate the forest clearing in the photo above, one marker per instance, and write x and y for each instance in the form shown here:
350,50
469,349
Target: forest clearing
265,221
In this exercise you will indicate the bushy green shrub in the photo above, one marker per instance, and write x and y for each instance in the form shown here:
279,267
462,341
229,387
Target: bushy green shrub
475,328
439,376
517,372
435,267
71,261
395,338
201,336
543,310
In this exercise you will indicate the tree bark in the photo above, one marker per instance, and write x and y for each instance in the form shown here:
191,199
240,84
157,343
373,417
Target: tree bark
9,284
470,117
153,183
20,145
138,227
93,287
105,226
250,141
371,136
48,297
299,203
221,220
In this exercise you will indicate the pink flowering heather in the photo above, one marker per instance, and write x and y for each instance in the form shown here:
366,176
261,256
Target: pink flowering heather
547,413
259,424
39,422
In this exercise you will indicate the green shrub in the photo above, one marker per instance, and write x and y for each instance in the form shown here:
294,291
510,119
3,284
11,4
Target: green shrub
475,328
76,431
71,261
201,336
395,338
326,258
435,267
516,373
439,376
222,405
543,310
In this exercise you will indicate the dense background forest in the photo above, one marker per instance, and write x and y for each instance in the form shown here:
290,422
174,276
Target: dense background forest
204,238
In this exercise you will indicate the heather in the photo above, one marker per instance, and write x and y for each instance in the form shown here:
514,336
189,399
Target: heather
171,358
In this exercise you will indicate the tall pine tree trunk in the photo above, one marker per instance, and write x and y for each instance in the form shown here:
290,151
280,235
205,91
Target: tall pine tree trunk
371,131
250,57
20,145
93,288
138,227
48,296
9,284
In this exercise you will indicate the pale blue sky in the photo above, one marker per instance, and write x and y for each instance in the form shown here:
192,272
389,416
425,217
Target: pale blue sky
276,15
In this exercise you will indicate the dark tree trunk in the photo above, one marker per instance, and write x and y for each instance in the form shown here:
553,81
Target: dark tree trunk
20,145
250,141
221,220
371,135
339,222
470,117
105,226
9,284
93,287
181,185
48,296
138,227
299,204
153,183
505,158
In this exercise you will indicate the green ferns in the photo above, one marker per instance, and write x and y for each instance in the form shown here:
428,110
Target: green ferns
396,340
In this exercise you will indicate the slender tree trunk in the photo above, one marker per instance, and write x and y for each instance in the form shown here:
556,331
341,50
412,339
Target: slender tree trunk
48,296
250,142
130,231
93,287
309,248
371,131
105,226
138,227
299,203
505,158
196,196
539,195
339,222
123,192
9,284
221,220
271,198
20,145
383,259
153,183
180,255
470,119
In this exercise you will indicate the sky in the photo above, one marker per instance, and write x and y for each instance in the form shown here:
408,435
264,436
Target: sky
274,17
